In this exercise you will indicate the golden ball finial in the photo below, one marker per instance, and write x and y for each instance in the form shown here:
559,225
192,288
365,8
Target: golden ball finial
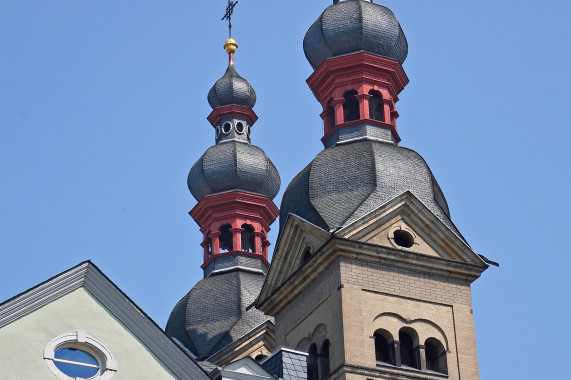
230,45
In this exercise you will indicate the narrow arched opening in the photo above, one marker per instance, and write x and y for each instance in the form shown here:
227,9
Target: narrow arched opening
435,356
376,106
324,359
312,363
408,339
351,110
306,256
260,357
225,238
247,238
384,347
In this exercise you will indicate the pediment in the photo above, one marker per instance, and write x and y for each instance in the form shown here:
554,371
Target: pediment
405,223
299,238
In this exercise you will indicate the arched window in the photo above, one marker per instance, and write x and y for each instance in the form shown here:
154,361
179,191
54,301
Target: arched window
226,238
435,356
312,363
375,106
384,347
351,107
324,359
248,238
260,357
408,348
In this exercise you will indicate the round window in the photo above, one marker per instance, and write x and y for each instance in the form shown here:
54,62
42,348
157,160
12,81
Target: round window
217,132
226,128
76,355
249,134
240,128
403,238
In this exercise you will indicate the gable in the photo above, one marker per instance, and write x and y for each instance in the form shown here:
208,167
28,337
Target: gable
298,237
23,341
405,217
83,303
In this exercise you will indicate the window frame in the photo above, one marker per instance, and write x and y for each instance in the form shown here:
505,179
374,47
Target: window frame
80,340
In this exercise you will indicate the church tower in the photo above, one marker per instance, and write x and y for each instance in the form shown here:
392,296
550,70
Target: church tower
370,275
234,183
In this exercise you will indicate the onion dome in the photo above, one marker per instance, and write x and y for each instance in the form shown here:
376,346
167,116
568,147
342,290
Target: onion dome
348,181
352,26
215,312
231,89
233,165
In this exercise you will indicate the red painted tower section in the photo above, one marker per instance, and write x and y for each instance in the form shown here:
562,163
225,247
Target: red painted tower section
364,77
239,211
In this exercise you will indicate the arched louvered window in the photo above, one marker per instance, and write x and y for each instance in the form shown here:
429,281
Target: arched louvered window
226,243
247,237
312,363
435,356
351,110
384,347
324,359
408,339
376,106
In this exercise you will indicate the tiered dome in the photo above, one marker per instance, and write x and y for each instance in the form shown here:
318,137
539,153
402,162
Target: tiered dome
351,26
233,165
348,181
231,89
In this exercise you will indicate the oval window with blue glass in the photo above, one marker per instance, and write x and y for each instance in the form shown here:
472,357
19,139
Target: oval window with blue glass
76,355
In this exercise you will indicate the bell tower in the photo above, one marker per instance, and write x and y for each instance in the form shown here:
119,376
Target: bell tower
370,277
234,183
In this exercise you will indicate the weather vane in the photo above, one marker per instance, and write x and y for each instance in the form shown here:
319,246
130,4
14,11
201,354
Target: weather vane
228,15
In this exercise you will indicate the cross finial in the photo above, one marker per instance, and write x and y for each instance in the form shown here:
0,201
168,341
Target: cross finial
228,15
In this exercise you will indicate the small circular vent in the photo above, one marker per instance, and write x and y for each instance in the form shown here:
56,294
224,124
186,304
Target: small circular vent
403,238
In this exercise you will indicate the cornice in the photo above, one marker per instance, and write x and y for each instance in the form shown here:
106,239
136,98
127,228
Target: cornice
232,111
339,248
340,70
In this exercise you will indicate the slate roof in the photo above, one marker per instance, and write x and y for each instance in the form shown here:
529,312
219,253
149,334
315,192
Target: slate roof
287,364
352,26
213,314
231,89
233,165
348,181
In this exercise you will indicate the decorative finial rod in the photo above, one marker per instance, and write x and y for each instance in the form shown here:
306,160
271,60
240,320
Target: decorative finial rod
230,45
228,15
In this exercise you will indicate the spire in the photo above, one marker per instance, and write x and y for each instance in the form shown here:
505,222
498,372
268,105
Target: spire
234,181
230,45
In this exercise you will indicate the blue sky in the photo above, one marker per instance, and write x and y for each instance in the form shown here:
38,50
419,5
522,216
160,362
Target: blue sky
103,112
